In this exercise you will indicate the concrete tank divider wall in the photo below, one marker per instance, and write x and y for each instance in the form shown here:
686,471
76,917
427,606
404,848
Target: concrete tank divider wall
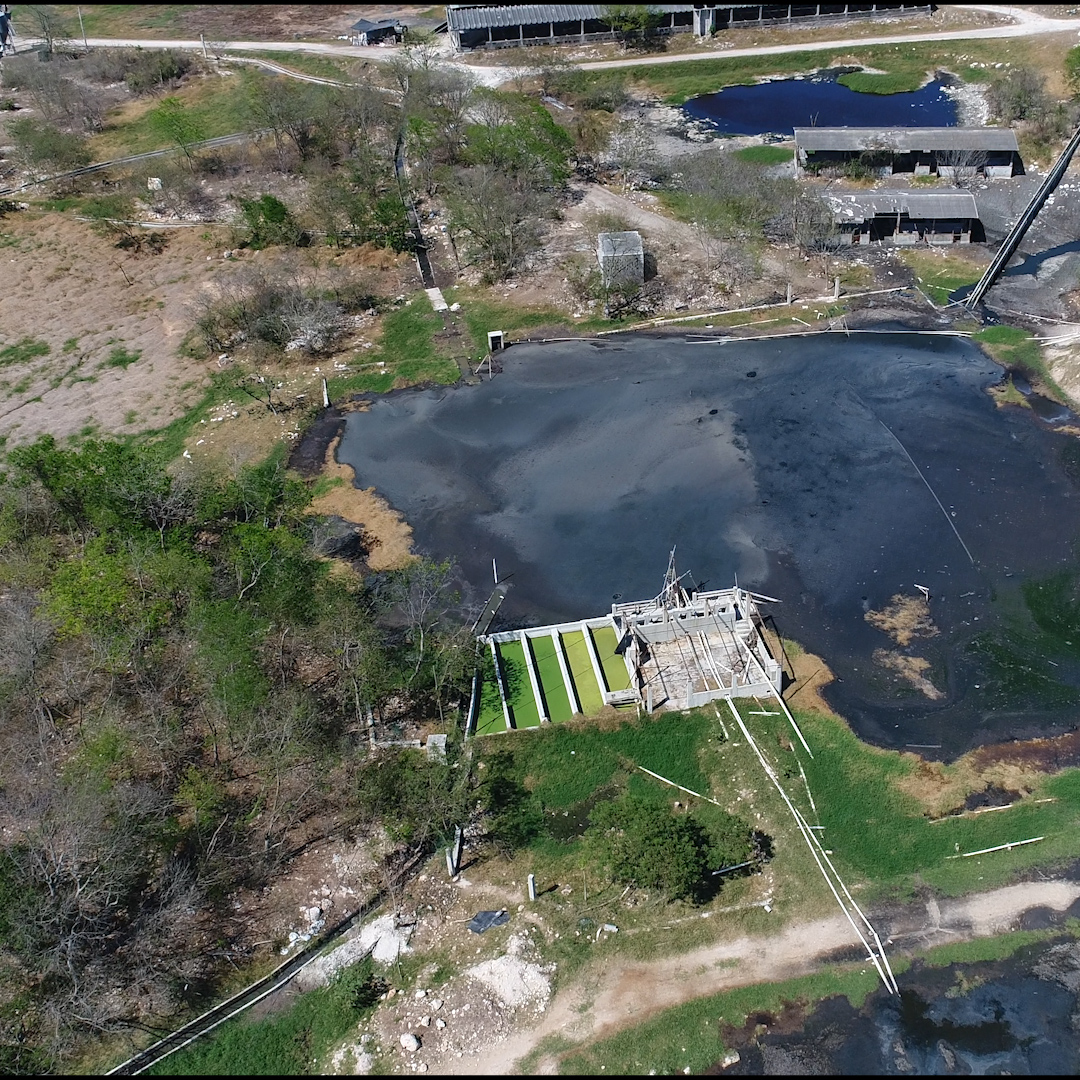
534,682
502,684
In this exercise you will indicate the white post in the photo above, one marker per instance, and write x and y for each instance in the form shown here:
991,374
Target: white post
532,886
202,41
836,289
495,571
82,28
325,396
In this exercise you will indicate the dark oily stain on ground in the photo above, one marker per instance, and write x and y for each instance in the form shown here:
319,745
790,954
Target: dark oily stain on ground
309,455
849,470
1002,1017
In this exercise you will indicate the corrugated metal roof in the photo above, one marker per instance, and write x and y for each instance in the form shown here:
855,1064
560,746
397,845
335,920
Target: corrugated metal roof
944,204
906,139
619,243
365,26
462,17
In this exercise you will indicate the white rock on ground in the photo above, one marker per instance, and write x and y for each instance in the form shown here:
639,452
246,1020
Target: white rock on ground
389,942
410,1042
512,979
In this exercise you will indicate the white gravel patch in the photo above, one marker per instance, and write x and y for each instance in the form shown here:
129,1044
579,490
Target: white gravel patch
512,979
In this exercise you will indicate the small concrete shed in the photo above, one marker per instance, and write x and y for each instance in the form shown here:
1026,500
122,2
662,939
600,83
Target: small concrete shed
621,258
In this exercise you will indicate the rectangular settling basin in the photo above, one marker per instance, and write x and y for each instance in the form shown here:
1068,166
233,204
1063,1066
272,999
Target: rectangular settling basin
523,711
615,673
581,672
551,681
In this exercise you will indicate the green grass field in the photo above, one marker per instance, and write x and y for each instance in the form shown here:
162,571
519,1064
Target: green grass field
408,351
765,155
581,672
551,681
904,66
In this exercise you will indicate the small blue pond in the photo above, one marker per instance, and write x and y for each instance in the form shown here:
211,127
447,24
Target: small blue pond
786,104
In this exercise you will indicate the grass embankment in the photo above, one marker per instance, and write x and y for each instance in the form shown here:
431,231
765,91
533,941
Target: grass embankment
214,105
297,1042
481,313
407,354
566,769
902,67
125,20
940,275
882,842
323,67
765,155
1017,349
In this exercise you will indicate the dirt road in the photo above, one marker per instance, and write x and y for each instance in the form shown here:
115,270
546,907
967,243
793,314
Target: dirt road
1027,23
627,992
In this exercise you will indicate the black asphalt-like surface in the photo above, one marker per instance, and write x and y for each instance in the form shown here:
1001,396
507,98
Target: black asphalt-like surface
582,464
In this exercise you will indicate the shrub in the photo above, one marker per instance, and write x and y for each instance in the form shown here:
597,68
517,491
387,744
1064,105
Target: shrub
40,145
645,844
269,221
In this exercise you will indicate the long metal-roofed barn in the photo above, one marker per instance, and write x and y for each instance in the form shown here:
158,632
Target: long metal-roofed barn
679,650
478,26
991,151
899,217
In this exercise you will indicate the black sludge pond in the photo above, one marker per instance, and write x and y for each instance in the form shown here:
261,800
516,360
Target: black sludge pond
846,471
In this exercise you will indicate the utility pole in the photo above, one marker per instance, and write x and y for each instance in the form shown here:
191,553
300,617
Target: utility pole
82,28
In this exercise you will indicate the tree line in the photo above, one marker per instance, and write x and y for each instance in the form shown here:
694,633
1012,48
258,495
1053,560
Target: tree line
185,692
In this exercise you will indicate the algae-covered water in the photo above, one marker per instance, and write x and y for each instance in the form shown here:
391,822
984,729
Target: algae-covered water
831,472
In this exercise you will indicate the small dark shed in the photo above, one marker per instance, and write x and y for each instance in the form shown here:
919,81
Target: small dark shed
366,32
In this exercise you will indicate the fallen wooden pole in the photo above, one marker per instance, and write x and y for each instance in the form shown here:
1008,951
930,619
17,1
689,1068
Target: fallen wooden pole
1000,847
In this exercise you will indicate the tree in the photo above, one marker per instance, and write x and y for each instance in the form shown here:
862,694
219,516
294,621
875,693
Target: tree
502,220
961,165
1072,70
47,21
269,221
644,844
631,148
293,114
173,120
1018,94
632,22
517,135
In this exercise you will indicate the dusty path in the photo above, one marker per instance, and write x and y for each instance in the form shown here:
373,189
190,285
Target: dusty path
1027,23
626,992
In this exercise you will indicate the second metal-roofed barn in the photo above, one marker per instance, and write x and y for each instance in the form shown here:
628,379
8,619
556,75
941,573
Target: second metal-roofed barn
893,216
917,150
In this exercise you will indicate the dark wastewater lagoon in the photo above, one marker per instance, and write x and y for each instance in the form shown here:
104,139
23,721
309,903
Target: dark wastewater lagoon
784,104
1014,1017
831,472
